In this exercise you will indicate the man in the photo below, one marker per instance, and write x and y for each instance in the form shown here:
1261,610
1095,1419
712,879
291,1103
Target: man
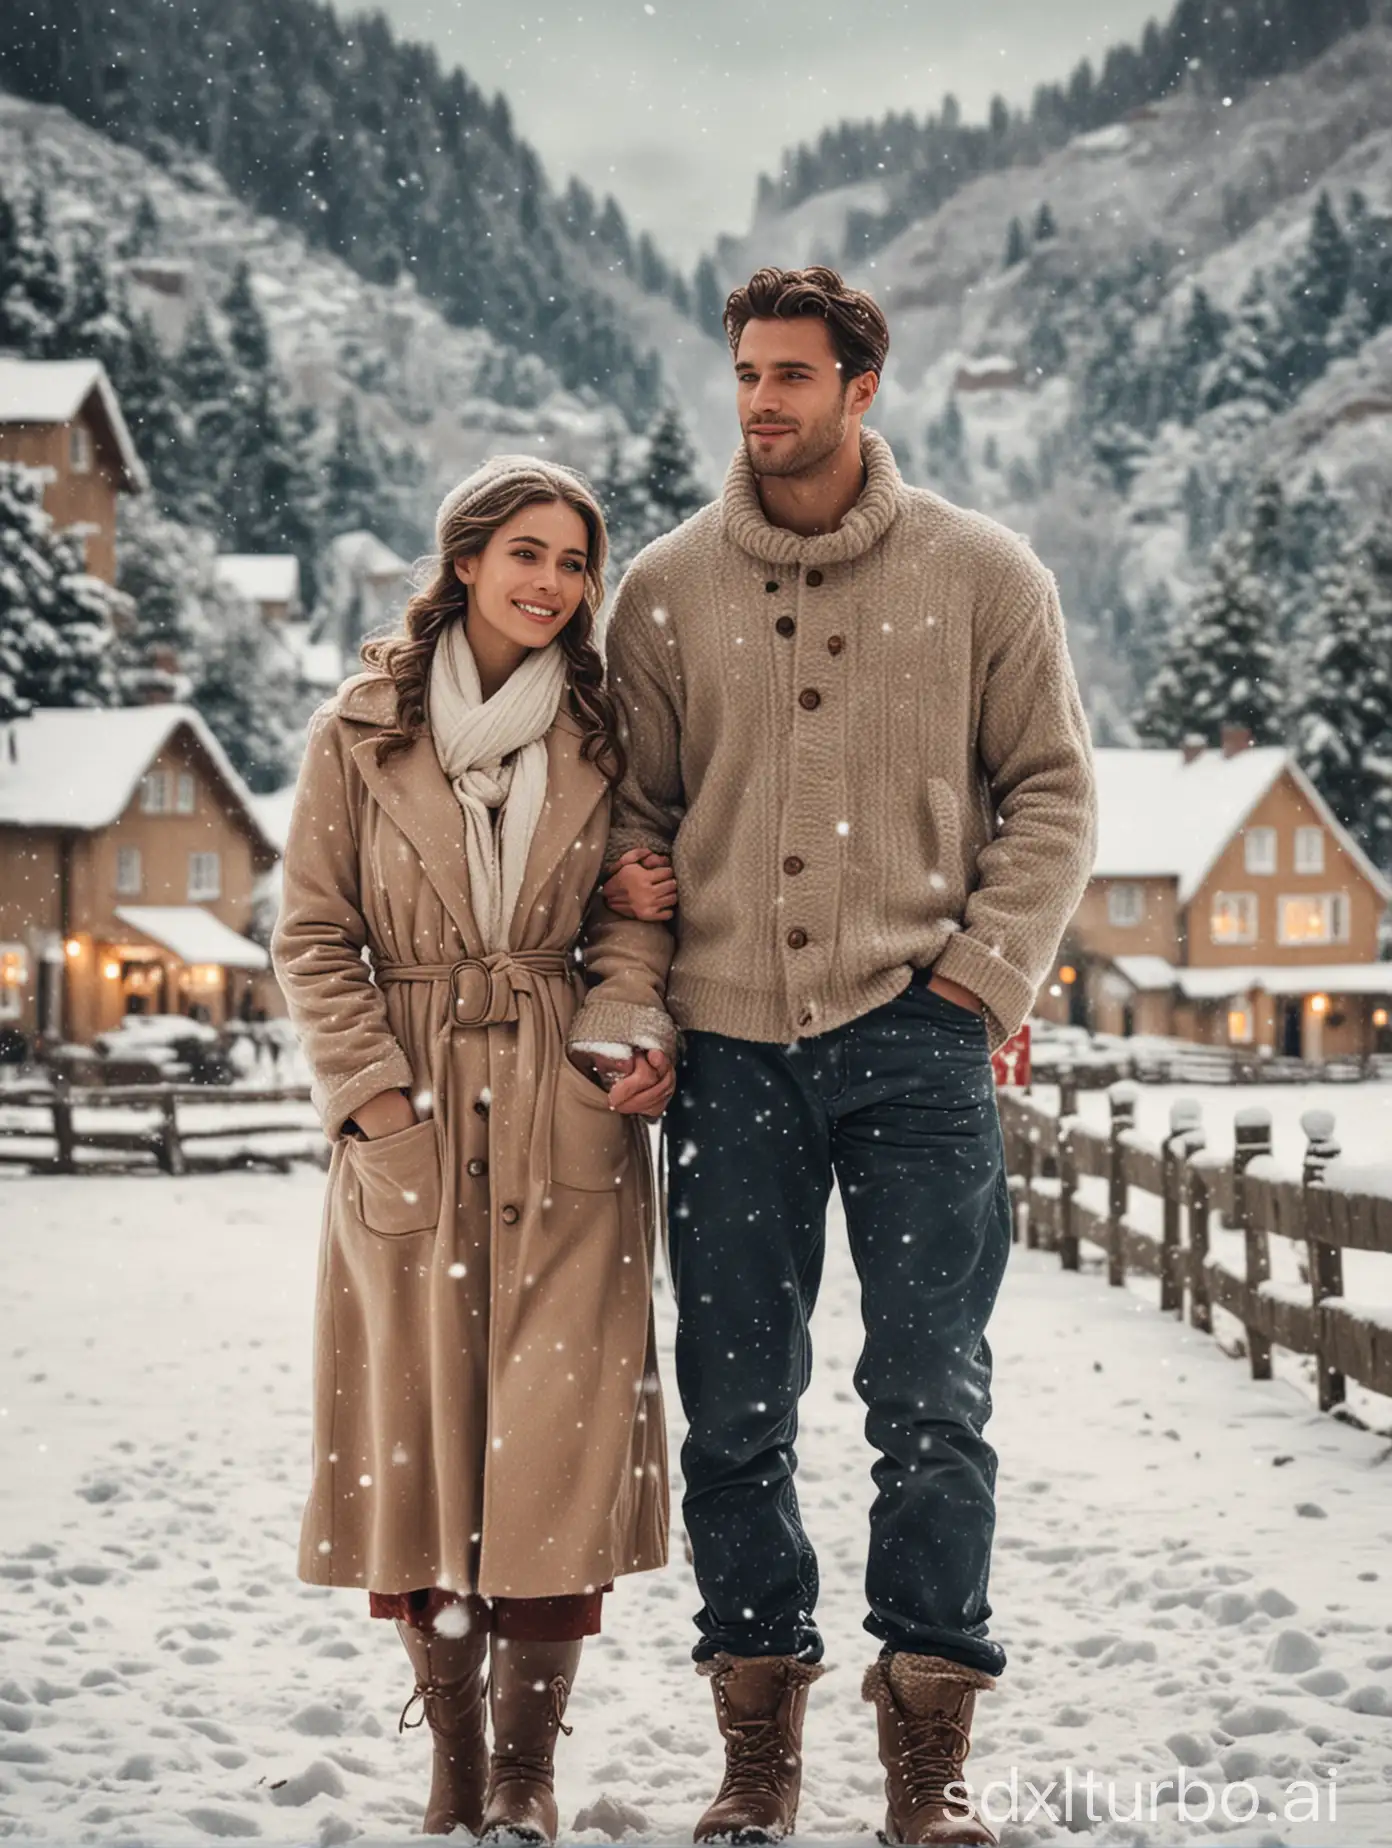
854,725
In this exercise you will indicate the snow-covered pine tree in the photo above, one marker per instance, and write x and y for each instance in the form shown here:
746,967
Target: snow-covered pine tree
96,319
1244,366
1044,224
710,299
621,496
57,624
1313,298
33,295
1222,666
945,452
672,485
248,339
1016,244
143,390
178,607
253,702
1342,712
207,386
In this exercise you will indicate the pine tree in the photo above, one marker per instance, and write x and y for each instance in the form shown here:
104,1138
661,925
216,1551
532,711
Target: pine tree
57,624
142,383
1223,662
670,479
208,390
1044,225
33,297
621,496
248,339
1244,368
1343,711
945,451
254,704
96,320
1315,295
710,299
1016,244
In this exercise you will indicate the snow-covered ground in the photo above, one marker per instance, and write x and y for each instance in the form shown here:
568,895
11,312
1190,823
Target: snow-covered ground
1191,1569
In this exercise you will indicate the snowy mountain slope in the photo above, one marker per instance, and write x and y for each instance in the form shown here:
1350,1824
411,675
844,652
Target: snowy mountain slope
415,376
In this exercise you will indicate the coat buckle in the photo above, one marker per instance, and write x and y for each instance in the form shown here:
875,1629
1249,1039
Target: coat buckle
472,982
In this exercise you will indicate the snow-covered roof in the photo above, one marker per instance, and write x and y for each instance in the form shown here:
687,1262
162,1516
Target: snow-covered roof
1219,984
194,935
78,768
273,812
1159,817
366,555
260,577
53,391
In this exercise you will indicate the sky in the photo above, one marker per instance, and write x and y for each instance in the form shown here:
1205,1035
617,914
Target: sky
676,106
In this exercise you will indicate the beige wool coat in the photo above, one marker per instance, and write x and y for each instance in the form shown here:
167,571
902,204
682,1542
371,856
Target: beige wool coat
487,1415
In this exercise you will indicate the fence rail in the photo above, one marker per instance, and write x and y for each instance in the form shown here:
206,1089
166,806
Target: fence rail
163,1138
1330,1208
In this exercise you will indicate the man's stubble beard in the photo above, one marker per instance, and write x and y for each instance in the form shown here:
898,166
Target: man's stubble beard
812,447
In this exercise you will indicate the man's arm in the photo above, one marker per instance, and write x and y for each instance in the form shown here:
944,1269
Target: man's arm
1034,743
639,653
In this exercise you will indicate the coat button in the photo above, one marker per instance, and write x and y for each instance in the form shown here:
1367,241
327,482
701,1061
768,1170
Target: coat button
809,699
785,625
772,584
477,1166
480,1107
814,578
835,643
796,939
792,866
510,1215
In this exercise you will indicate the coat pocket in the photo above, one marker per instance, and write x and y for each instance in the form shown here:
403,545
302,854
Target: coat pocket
591,1145
395,1180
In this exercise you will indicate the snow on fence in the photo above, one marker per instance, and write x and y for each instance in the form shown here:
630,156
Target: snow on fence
1328,1207
57,1129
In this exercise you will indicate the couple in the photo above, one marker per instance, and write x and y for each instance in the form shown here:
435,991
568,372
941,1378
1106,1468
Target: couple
827,812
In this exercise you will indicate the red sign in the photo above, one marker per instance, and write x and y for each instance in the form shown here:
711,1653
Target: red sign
1011,1063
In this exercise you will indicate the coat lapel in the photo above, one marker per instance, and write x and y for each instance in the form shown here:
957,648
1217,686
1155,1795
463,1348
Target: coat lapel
411,789
573,788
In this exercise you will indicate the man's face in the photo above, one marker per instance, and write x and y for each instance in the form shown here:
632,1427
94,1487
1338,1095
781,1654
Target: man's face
793,404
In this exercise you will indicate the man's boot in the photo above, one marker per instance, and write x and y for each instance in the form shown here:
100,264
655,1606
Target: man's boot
925,1705
449,1686
759,1705
530,1686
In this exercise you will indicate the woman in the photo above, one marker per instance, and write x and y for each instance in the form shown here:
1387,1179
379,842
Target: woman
489,1448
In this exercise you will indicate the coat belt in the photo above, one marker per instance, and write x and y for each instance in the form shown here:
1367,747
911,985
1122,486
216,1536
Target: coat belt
485,988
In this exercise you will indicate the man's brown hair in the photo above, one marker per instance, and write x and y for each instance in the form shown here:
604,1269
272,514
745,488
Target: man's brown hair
855,323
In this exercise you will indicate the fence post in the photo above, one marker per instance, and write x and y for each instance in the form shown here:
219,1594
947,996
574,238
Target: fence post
1326,1260
1068,1091
1252,1138
1185,1118
170,1151
64,1136
1123,1101
1200,1308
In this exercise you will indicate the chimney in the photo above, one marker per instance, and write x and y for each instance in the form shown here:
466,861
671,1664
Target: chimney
1235,738
1193,747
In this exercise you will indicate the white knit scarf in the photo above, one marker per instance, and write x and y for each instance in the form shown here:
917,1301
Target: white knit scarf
494,754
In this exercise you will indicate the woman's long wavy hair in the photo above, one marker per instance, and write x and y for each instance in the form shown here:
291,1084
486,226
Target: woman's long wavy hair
468,518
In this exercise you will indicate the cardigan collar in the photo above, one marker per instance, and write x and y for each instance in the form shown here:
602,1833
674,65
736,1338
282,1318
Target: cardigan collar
868,521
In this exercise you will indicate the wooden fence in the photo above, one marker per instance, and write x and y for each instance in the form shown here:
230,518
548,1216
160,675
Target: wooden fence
51,1116
1328,1209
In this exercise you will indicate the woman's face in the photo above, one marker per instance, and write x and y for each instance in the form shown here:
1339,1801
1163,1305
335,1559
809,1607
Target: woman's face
528,581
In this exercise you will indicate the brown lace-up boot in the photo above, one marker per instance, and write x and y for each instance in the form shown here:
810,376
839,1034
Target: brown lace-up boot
449,1687
759,1704
925,1706
530,1686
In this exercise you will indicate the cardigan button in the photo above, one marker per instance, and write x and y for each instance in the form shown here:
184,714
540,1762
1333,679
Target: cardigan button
785,625
814,578
809,699
797,939
835,643
772,584
477,1166
792,866
510,1215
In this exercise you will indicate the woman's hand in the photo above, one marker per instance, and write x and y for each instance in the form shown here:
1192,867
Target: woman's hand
647,1089
384,1114
641,886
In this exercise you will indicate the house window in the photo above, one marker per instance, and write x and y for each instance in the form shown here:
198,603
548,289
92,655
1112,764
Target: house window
1234,917
1318,917
1259,850
1240,1023
1125,904
184,802
205,875
80,449
1309,850
128,872
14,978
155,792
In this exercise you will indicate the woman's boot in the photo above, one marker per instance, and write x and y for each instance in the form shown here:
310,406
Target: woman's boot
450,1688
529,1687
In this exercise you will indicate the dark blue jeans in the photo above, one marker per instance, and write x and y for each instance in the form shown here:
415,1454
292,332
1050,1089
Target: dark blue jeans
900,1106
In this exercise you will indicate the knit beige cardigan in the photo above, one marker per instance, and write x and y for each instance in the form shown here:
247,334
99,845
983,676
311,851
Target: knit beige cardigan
865,752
